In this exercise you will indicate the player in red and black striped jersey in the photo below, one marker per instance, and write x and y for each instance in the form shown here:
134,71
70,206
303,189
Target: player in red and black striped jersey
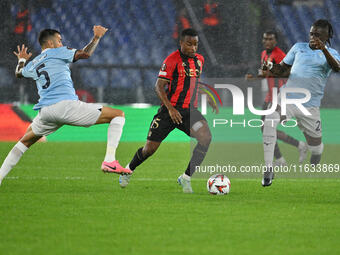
177,87
274,54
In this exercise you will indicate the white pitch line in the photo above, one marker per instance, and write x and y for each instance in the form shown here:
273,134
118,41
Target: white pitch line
161,179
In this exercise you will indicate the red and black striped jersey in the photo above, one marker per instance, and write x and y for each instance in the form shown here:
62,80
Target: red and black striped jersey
183,74
275,56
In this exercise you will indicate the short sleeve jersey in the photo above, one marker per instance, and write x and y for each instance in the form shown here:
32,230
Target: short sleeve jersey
183,74
52,75
275,56
310,70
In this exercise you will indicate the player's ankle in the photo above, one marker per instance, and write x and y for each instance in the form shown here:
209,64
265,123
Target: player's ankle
186,177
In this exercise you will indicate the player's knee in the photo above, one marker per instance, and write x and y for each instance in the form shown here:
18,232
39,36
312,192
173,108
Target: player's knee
205,139
202,133
316,150
281,135
120,113
271,121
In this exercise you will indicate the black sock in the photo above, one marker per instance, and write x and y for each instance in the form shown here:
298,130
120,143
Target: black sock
287,139
315,159
138,159
277,152
196,159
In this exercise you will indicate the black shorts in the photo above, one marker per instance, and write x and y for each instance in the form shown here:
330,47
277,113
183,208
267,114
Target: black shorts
162,124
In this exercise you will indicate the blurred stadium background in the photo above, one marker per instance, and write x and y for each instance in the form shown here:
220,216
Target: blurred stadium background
56,201
142,33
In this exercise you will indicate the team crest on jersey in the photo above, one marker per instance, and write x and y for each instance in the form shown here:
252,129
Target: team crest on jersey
163,67
199,63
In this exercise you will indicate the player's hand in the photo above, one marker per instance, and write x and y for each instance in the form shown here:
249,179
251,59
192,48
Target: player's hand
99,31
267,65
262,73
215,108
249,77
213,105
175,115
318,44
22,52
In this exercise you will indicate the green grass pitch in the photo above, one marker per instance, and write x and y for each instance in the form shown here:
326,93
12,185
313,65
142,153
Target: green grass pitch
57,201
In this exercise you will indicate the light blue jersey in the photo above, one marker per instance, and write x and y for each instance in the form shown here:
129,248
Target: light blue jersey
310,70
52,74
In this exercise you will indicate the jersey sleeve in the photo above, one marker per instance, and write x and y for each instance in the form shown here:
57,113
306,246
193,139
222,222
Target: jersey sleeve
167,69
263,55
289,58
66,54
29,72
279,56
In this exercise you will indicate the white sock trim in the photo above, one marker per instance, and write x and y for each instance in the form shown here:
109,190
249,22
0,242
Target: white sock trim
118,120
114,134
186,177
22,147
316,150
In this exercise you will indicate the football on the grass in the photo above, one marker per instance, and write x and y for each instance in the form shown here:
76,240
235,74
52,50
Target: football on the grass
218,184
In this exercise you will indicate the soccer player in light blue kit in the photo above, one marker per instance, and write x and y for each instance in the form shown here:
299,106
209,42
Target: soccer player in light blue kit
58,104
310,65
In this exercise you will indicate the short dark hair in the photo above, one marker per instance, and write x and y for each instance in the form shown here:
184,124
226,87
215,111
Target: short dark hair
188,32
325,24
45,34
272,32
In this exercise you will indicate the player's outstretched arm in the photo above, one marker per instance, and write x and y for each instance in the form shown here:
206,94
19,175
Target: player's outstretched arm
87,51
22,56
278,70
160,90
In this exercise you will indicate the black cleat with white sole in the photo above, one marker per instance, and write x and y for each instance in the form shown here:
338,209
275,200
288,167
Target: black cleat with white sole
268,177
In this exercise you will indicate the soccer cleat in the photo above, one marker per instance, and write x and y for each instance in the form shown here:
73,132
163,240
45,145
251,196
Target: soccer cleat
280,162
268,177
114,167
303,150
185,183
124,180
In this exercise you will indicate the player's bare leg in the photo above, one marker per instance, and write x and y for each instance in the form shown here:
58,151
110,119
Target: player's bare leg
315,146
200,131
116,120
140,156
17,151
143,153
